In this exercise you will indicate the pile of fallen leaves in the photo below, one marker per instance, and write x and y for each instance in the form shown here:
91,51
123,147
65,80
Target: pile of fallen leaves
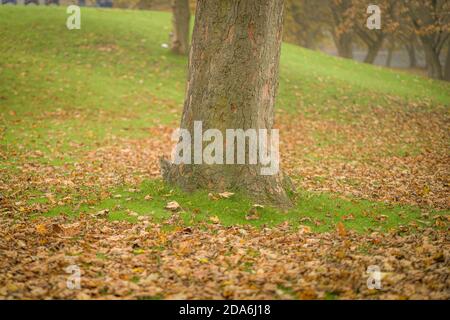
396,156
210,261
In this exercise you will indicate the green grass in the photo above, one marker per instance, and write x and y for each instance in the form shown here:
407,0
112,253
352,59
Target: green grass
331,82
112,79
320,211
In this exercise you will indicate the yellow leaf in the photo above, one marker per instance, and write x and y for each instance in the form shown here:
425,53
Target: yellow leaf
138,270
214,219
41,229
341,229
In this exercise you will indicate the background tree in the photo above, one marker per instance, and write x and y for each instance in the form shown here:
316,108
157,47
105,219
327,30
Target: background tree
431,22
181,23
339,13
447,64
391,46
304,22
232,84
404,35
372,38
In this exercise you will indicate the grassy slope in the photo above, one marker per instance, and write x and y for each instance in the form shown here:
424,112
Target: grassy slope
112,77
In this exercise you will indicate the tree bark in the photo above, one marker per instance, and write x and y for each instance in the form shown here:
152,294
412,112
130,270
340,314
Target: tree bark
434,67
373,42
232,84
447,64
180,21
342,40
412,55
389,57
372,52
344,46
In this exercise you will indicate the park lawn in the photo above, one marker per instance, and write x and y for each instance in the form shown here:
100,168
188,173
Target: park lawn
65,93
318,212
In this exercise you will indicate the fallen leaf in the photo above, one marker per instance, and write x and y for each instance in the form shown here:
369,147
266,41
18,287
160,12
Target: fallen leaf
173,206
341,229
41,229
212,196
304,229
102,213
226,195
214,219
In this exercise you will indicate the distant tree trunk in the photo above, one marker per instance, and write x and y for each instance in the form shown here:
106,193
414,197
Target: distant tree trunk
434,67
343,38
373,46
310,41
373,40
389,56
180,20
447,65
344,46
232,84
411,49
372,52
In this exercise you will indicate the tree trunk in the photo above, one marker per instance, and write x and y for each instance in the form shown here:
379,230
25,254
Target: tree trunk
434,67
310,41
447,65
344,46
412,55
180,33
372,52
232,84
389,56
